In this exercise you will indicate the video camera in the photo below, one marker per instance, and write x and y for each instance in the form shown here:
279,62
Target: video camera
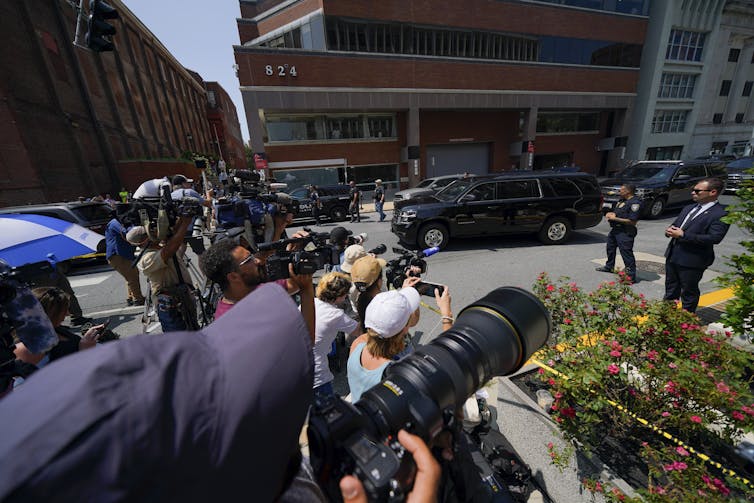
319,251
251,204
398,268
493,336
159,214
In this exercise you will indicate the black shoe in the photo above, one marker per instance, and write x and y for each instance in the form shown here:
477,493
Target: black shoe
138,302
80,320
129,302
604,269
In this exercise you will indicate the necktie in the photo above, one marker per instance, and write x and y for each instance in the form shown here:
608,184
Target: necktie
691,216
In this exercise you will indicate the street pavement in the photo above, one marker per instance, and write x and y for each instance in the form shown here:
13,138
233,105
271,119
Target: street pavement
471,268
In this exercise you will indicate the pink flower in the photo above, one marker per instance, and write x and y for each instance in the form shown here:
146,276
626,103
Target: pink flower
613,369
550,288
684,326
737,415
621,330
696,419
550,445
567,321
540,371
722,387
665,414
680,450
615,353
671,350
672,365
652,355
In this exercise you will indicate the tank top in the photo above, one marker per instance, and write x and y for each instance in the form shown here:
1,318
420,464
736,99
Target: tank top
359,378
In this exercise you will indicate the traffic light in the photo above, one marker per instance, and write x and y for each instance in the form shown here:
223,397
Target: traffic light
99,31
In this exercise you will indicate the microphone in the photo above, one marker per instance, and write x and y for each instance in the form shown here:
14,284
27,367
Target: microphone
429,251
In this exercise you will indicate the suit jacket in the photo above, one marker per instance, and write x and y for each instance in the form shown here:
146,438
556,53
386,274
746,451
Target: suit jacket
694,249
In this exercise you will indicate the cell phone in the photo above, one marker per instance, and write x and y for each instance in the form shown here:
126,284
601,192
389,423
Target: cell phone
106,324
428,289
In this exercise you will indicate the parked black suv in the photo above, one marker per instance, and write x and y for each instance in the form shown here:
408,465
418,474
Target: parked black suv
550,204
334,199
662,184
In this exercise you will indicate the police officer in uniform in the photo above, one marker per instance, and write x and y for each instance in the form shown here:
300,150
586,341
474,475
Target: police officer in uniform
622,221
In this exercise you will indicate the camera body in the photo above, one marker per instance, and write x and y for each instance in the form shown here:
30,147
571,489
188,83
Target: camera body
492,336
304,262
399,268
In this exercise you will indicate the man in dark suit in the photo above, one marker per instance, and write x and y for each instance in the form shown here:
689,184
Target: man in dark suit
693,234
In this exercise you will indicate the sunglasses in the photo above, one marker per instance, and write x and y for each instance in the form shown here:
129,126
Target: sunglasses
696,191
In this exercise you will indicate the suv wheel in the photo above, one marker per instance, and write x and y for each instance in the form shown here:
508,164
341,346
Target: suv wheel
656,207
556,230
338,214
433,234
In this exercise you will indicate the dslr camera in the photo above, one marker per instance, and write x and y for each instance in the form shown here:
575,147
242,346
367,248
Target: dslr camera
493,336
317,253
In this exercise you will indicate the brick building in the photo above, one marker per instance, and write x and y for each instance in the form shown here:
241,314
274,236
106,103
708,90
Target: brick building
224,127
75,122
337,89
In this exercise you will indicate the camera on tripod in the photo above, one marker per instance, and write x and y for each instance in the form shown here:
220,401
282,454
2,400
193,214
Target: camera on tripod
493,336
408,263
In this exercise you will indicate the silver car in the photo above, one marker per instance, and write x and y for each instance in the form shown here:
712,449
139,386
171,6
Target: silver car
738,172
426,186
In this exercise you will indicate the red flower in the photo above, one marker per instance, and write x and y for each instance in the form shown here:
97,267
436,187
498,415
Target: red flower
696,419
550,288
613,369
615,353
652,355
567,321
671,350
540,371
621,330
737,415
568,412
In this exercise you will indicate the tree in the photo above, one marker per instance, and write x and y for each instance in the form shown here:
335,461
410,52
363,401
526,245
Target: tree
249,156
739,312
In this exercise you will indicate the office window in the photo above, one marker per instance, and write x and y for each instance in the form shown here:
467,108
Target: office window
725,88
685,45
664,153
669,121
739,118
568,122
717,119
747,88
733,55
677,85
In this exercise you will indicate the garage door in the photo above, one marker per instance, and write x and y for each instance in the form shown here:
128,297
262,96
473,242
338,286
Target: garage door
472,158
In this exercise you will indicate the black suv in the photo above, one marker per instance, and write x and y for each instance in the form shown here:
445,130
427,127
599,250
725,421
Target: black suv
662,184
334,199
549,204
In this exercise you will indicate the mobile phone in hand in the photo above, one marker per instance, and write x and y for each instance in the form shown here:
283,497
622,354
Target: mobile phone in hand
428,289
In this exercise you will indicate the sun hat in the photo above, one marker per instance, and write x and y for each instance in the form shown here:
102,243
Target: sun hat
137,235
351,255
367,269
388,312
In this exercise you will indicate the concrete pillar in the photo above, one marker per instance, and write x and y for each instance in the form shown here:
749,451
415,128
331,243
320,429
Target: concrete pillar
413,143
529,134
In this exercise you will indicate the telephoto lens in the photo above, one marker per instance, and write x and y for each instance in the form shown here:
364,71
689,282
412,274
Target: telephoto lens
491,337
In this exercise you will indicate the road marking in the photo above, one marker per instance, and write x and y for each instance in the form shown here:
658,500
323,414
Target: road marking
716,297
120,310
92,279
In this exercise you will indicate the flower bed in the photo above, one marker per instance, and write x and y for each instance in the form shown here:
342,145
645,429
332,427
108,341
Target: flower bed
642,385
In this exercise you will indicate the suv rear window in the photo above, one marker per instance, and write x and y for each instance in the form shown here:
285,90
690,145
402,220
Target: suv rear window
563,187
93,213
517,189
587,185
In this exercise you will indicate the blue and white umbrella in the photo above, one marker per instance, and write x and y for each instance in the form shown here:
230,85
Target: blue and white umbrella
27,239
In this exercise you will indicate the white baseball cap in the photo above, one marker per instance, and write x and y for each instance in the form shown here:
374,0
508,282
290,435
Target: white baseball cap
351,255
388,312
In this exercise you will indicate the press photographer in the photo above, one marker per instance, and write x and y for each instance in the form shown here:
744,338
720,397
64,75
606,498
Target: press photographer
493,336
176,304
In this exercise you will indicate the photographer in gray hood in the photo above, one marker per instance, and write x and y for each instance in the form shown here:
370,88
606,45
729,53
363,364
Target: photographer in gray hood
213,415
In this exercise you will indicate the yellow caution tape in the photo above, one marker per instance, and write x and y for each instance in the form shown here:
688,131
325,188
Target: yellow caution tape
654,428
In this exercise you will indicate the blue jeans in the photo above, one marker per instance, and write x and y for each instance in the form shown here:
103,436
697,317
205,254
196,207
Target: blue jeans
378,207
169,314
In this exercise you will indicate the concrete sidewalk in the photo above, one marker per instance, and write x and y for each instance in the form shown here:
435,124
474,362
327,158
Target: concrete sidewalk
369,207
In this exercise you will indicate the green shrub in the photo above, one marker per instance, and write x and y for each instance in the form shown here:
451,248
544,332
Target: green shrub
656,361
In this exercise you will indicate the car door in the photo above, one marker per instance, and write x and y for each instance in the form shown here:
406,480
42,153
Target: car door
301,195
519,206
683,181
475,209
